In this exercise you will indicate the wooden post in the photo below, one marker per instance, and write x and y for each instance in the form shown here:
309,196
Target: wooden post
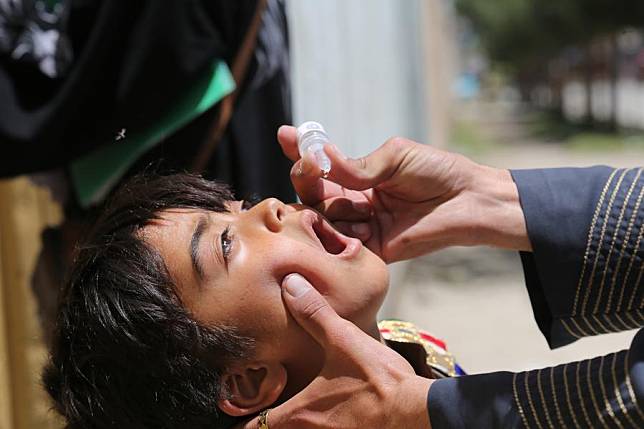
438,65
24,211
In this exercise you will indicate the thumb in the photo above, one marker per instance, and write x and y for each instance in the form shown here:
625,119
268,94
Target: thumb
311,310
287,138
371,170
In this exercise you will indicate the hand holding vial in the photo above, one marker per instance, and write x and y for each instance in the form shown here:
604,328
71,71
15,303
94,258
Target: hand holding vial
406,199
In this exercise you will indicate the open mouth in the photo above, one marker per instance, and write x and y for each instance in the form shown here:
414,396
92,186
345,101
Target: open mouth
331,240
326,237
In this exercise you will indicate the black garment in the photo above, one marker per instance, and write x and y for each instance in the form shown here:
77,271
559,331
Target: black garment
133,59
34,32
584,277
248,157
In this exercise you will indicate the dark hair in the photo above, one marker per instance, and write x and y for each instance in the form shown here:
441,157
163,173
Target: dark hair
126,353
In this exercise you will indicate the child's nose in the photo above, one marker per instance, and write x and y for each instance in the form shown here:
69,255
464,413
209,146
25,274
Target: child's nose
272,212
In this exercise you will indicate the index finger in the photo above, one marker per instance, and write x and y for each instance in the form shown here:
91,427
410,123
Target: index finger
306,177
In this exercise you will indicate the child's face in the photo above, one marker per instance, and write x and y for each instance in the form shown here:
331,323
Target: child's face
243,257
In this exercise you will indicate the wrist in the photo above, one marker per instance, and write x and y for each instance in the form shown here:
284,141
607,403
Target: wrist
412,401
500,221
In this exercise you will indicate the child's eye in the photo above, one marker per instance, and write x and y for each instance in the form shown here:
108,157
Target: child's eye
226,243
250,202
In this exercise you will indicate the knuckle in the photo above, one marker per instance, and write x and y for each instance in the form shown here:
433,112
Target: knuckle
397,143
313,308
302,419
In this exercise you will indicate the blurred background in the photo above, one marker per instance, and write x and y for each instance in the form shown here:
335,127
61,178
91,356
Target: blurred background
92,92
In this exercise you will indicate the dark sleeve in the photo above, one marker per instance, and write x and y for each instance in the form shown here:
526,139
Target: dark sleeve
606,391
586,226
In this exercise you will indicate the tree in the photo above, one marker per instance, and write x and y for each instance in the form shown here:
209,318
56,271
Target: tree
524,36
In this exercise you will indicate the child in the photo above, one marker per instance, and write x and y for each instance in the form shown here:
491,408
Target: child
172,316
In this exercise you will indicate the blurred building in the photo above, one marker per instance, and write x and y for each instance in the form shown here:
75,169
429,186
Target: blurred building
601,83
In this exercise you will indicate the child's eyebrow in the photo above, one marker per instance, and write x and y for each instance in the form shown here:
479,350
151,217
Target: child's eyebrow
201,226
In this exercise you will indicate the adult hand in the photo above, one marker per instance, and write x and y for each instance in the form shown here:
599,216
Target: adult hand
363,383
406,199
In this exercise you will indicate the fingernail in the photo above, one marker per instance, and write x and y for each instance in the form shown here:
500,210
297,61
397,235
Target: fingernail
296,285
360,229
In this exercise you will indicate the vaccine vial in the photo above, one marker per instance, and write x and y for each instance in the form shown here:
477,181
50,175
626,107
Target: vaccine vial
311,137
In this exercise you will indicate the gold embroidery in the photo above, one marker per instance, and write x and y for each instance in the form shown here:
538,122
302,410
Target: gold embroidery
640,236
527,391
609,407
543,400
603,328
605,318
627,238
592,394
580,396
406,332
641,316
565,325
571,410
635,323
618,317
584,333
516,400
589,240
638,282
618,393
608,320
609,208
554,396
612,246
629,386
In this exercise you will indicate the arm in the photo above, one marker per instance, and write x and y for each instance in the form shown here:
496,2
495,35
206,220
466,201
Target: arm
586,226
583,227
607,391
583,277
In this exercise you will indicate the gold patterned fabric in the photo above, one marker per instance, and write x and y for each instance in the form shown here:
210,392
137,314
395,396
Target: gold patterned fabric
430,350
591,393
608,296
587,289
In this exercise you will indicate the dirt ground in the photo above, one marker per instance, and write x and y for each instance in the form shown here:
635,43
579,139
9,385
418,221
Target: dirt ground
475,298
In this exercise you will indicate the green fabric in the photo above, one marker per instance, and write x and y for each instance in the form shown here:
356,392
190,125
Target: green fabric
93,175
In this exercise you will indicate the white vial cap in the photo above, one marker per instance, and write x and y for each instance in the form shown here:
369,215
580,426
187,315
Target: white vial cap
309,126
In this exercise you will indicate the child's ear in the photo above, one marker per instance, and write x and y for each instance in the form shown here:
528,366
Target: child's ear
252,388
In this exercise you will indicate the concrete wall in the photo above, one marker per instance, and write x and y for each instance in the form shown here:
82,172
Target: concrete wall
358,69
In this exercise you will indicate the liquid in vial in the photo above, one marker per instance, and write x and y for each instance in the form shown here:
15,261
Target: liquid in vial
311,137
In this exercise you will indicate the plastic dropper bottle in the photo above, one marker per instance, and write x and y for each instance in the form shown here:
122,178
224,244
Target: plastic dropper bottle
311,137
